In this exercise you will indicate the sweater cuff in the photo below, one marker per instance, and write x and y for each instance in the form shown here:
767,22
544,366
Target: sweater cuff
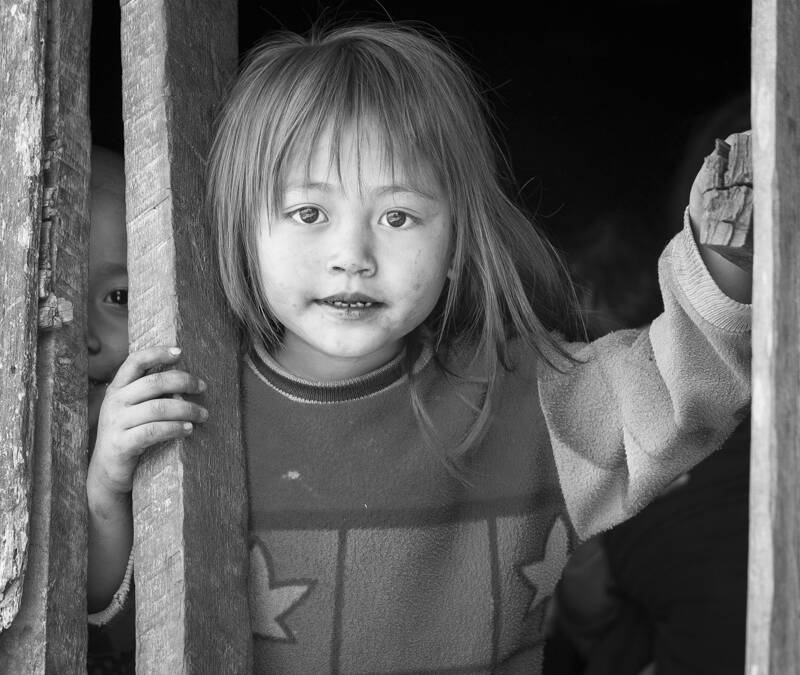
118,601
700,288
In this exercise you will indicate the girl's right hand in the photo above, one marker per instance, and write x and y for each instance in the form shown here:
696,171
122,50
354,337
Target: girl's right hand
139,411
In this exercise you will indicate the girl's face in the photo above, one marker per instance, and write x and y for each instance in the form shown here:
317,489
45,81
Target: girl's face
353,262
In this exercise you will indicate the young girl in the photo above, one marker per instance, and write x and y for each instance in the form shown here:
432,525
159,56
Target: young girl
423,449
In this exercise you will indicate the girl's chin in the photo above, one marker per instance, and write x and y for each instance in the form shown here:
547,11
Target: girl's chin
328,362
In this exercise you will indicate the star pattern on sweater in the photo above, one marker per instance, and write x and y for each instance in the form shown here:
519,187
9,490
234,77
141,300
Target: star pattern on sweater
271,602
543,574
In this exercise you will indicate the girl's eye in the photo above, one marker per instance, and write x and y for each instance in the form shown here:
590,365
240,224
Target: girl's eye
117,297
309,215
397,219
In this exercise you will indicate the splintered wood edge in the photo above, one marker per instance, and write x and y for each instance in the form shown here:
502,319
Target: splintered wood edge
728,201
740,161
713,171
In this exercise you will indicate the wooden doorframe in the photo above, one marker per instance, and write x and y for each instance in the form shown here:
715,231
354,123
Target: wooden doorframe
773,618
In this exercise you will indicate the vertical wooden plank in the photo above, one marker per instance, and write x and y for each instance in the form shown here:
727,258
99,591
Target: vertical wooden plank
62,348
22,91
773,621
49,632
189,497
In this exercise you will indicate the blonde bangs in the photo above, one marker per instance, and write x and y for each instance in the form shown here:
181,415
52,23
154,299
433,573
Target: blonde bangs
352,88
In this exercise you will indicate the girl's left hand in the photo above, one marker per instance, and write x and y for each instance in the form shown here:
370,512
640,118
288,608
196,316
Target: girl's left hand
720,211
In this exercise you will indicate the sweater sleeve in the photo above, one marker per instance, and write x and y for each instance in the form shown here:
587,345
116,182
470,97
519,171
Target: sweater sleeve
119,600
642,406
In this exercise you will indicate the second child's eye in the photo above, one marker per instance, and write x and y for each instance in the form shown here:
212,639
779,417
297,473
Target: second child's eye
118,296
309,215
397,219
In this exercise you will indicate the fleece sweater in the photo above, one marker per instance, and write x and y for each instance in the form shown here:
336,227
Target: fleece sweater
367,555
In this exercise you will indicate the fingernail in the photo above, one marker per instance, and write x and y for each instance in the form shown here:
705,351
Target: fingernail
187,426
203,413
174,350
201,385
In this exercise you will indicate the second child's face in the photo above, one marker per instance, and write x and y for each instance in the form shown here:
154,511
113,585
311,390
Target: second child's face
107,320
354,262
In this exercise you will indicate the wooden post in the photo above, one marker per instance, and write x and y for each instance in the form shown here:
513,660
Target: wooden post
21,115
45,205
773,621
189,497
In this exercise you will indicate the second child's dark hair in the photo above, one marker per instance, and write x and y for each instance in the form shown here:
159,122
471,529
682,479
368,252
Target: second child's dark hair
508,285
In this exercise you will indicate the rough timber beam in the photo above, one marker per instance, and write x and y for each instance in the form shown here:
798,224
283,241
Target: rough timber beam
189,497
44,190
773,621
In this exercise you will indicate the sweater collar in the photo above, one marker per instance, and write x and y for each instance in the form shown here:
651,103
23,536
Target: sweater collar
335,391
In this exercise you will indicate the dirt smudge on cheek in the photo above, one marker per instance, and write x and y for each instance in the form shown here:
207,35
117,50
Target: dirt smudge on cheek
294,476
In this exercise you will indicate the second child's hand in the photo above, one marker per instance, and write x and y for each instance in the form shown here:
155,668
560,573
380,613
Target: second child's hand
139,410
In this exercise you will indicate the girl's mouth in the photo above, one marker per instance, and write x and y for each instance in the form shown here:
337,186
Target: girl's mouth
350,301
351,305
341,304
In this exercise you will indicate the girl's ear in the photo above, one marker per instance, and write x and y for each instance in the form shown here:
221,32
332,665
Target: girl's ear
451,273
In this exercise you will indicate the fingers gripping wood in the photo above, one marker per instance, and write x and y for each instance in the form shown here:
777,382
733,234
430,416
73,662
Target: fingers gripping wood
726,185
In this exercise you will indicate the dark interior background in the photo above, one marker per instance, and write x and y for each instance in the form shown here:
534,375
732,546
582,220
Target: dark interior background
607,108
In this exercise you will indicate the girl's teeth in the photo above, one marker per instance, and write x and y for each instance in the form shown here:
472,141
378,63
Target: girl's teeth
351,305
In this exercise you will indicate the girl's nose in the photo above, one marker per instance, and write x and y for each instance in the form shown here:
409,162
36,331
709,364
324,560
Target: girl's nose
353,254
354,267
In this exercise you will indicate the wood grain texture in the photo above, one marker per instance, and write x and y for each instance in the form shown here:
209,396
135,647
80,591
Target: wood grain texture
726,188
190,501
773,619
21,117
49,632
